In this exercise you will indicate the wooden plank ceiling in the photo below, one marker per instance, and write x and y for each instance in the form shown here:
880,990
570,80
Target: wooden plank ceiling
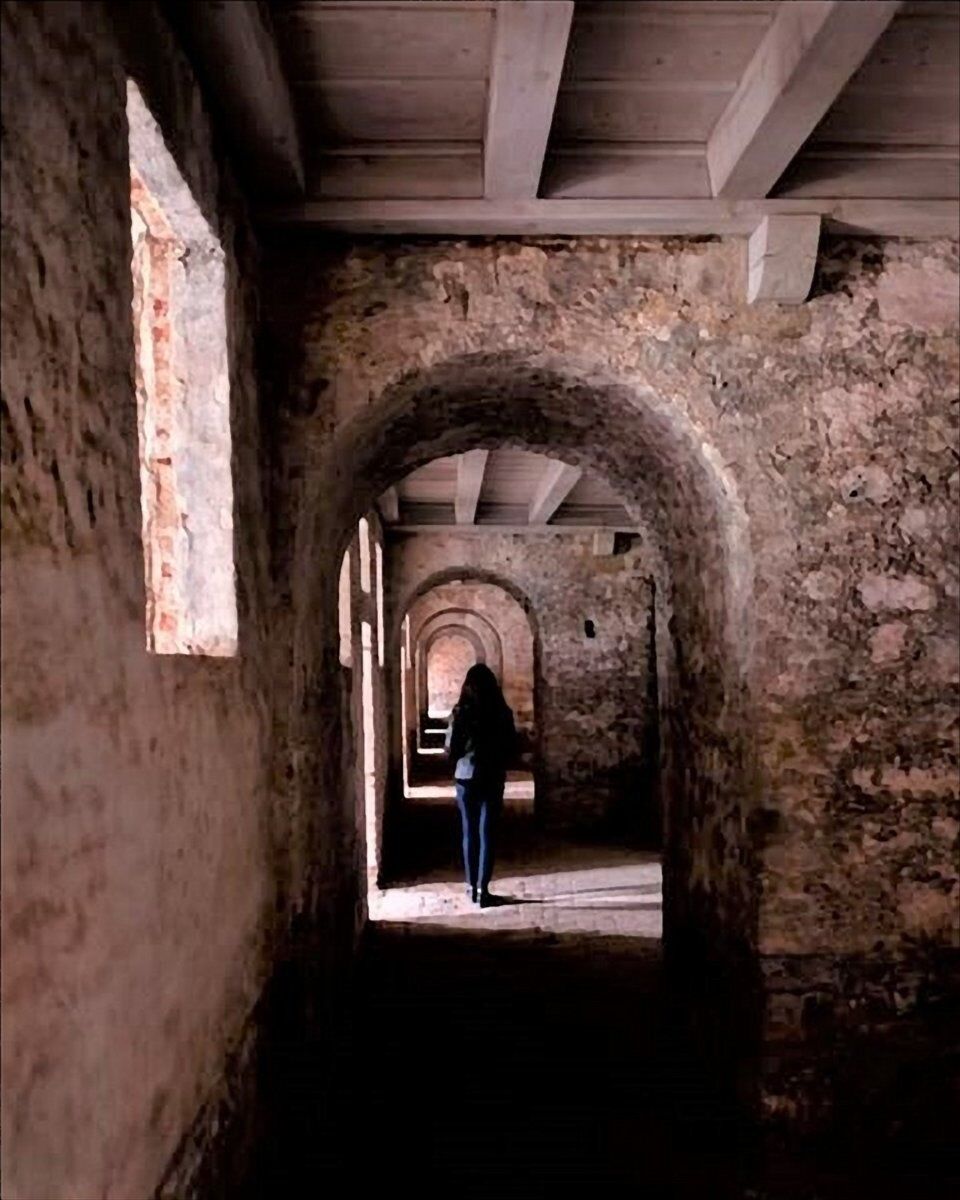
766,118
638,115
517,489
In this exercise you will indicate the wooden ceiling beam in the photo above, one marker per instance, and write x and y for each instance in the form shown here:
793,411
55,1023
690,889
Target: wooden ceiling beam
486,530
799,69
638,218
470,469
236,57
530,44
782,258
558,481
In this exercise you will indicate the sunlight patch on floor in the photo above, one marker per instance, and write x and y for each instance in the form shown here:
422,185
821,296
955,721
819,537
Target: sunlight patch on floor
621,901
520,790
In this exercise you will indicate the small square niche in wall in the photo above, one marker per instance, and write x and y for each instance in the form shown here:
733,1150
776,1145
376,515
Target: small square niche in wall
589,628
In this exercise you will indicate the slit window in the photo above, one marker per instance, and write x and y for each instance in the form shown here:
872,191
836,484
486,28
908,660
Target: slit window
345,612
379,561
369,743
364,532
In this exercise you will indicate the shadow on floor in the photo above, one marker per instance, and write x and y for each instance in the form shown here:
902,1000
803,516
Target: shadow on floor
529,1051
517,1064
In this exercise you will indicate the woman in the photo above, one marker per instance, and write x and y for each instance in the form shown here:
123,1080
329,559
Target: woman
480,740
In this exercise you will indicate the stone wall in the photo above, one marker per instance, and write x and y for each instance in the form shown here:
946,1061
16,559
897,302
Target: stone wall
137,861
797,469
795,475
590,693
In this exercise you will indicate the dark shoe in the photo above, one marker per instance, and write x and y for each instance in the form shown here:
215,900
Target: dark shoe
487,901
471,894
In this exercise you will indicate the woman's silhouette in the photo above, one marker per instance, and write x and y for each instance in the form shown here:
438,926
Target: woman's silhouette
480,741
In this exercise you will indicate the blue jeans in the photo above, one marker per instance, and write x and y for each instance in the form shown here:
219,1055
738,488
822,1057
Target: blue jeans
480,806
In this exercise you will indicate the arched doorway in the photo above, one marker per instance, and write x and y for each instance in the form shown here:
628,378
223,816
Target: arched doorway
676,489
490,651
501,619
446,656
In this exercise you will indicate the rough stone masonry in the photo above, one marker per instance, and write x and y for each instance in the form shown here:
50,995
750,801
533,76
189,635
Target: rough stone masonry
177,830
587,698
799,470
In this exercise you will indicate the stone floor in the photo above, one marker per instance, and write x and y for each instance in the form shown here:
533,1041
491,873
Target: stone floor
531,1050
556,887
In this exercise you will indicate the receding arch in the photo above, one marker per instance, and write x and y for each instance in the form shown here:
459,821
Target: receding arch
489,636
450,633
482,625
424,644
672,481
406,603
458,574
460,631
648,449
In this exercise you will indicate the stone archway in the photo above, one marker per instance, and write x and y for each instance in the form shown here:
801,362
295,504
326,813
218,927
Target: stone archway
523,682
676,486
634,359
481,626
654,457
490,646
439,694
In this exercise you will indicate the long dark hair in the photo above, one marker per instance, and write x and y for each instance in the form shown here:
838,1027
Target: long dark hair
481,702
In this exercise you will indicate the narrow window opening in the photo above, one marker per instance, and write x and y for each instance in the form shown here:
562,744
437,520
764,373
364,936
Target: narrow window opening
405,717
183,403
345,613
364,530
589,628
369,747
379,561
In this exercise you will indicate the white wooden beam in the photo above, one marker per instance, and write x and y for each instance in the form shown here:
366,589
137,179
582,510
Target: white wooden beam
486,530
807,55
782,255
638,218
470,469
236,57
389,505
557,483
530,43
604,542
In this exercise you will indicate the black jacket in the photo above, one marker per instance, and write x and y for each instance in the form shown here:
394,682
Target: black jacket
481,751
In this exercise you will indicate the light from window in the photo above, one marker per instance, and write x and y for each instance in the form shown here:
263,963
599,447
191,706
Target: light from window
364,530
369,747
183,403
380,605
345,613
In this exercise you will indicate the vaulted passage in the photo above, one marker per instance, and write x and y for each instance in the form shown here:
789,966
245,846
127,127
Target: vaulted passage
606,352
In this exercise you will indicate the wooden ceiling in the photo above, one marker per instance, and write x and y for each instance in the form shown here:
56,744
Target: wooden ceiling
771,120
600,116
502,488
